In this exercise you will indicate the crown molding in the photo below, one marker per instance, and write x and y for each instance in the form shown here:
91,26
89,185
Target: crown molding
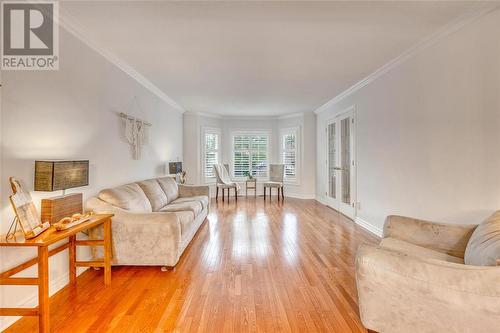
292,115
249,118
450,28
203,114
245,117
67,22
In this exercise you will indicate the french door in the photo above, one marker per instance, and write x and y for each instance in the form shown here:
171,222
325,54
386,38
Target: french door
340,163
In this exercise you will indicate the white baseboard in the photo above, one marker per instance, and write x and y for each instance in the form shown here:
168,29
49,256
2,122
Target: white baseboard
300,196
320,199
368,226
241,194
358,220
32,301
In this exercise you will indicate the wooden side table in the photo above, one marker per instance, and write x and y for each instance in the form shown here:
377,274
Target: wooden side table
42,242
249,186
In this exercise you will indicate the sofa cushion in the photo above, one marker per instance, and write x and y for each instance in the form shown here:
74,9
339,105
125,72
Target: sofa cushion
203,199
155,194
129,197
415,250
483,248
186,219
192,206
169,186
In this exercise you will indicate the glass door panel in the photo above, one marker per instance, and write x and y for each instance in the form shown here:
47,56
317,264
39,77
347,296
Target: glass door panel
340,166
345,142
332,160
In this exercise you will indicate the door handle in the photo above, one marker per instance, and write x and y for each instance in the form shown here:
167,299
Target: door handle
337,168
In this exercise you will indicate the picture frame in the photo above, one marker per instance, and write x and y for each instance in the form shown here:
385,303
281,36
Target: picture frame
25,210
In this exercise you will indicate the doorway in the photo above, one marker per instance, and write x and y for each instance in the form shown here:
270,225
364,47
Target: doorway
340,163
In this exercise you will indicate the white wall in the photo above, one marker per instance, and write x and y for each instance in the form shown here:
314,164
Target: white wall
191,147
71,114
428,132
194,124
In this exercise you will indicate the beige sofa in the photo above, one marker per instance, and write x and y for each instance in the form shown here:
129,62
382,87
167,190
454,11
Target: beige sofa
154,220
416,281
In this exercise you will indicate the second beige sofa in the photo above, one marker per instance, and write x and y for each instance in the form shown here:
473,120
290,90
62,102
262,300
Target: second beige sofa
416,281
154,220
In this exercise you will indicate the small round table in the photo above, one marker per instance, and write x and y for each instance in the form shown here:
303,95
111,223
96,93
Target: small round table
249,186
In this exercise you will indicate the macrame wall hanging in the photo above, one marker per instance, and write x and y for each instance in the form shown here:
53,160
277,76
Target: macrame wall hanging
135,132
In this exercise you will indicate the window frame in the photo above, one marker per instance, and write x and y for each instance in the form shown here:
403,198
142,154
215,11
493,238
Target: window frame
205,131
267,134
298,157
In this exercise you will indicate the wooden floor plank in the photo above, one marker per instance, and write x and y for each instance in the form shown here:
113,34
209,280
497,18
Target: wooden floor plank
252,267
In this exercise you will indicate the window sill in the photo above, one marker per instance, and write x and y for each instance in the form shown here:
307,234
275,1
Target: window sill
244,179
210,181
291,182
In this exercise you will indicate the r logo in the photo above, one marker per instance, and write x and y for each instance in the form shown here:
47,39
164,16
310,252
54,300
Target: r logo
30,35
28,29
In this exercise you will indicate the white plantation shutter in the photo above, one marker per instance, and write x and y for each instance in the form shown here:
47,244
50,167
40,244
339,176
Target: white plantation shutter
289,159
210,160
242,142
259,156
211,153
289,153
251,153
241,163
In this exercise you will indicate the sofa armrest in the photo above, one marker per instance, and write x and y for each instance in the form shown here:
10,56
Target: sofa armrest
193,190
451,239
404,293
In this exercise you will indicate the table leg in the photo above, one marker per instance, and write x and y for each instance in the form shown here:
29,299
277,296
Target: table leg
72,259
43,289
107,252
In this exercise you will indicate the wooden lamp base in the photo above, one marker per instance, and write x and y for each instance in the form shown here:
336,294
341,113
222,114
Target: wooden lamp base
56,208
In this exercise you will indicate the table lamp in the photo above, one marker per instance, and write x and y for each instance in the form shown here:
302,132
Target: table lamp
59,176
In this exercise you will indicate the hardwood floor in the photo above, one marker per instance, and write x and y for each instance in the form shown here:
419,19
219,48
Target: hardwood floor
252,267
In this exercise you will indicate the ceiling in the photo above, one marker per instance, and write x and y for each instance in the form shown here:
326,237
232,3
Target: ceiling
258,58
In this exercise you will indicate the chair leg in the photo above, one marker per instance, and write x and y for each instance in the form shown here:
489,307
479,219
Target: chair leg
282,194
264,193
222,194
235,194
216,193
